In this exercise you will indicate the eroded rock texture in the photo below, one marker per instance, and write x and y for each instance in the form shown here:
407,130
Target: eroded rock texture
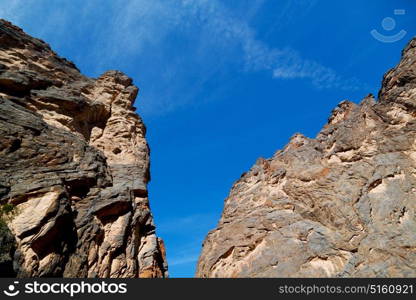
75,163
340,205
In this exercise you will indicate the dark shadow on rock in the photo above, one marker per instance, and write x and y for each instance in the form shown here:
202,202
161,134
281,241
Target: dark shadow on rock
7,249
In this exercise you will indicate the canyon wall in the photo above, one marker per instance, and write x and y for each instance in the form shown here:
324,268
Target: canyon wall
74,168
340,205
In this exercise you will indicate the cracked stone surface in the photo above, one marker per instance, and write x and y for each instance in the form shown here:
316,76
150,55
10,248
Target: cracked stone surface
340,205
74,162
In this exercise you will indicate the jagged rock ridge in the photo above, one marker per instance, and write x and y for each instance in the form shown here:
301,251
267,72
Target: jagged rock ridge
74,162
340,205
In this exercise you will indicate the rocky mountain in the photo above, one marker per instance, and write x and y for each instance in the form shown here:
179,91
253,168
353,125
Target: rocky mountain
340,205
74,168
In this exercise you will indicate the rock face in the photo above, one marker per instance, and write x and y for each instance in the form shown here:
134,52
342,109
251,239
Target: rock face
75,164
340,205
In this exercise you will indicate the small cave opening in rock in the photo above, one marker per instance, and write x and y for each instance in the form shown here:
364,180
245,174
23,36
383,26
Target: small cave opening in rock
116,150
80,187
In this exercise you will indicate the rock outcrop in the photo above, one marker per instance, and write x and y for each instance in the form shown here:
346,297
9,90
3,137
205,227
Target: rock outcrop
74,163
340,205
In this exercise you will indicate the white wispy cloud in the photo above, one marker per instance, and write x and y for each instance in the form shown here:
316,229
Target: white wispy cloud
284,63
188,225
130,28
187,259
291,65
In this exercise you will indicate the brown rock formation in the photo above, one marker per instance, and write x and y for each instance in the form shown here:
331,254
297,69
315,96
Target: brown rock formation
340,205
75,164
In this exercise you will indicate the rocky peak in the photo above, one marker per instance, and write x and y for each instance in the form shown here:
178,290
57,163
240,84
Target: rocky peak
74,163
399,84
340,205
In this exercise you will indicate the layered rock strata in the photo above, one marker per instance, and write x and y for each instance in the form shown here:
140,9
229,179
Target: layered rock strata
74,163
340,205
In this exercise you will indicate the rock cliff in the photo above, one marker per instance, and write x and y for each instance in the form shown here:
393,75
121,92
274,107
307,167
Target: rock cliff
74,165
340,205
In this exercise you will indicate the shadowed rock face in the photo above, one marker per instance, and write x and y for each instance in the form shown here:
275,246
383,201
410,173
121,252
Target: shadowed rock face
75,164
340,205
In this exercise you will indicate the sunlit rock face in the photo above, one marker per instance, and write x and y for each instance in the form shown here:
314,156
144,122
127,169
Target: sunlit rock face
340,205
74,162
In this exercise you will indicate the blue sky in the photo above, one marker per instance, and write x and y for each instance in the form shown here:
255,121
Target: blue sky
222,83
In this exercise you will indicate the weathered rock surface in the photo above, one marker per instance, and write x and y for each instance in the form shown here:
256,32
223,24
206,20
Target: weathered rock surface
340,205
75,163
